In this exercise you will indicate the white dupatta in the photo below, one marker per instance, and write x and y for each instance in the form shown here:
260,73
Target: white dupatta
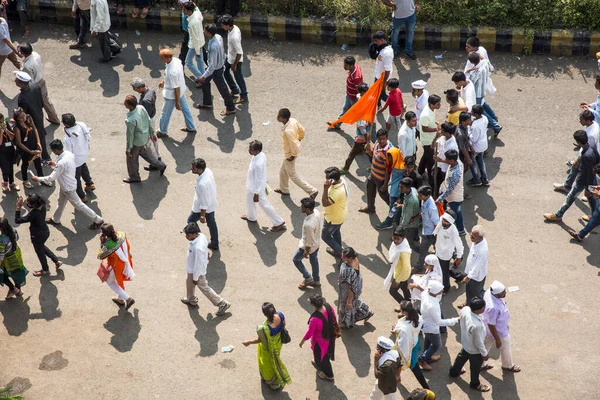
123,254
394,256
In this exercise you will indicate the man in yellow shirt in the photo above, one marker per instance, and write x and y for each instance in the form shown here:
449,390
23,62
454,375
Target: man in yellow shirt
293,134
334,200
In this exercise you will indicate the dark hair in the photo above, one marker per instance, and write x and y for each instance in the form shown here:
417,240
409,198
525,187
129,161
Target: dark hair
199,163
476,303
464,116
394,83
226,20
189,6
211,28
56,144
269,311
285,113
131,101
68,120
425,190
382,132
399,231
451,95
349,60
449,127
473,41
191,228
379,35
410,160
596,169
434,99
413,315
25,48
410,115
477,109
598,78
474,58
349,252
109,231
18,111
256,145
587,115
1,116
333,173
580,137
451,155
35,200
308,203
459,76
8,230
362,87
406,182
317,300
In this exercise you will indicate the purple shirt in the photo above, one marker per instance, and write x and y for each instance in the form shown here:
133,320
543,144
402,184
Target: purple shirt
496,313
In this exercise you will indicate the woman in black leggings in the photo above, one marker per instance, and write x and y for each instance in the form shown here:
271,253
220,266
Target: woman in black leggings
7,156
38,230
27,140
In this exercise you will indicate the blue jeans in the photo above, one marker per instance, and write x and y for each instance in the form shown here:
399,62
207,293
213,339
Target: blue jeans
409,23
189,62
212,226
489,114
314,263
237,86
593,222
347,104
167,110
455,206
573,193
433,342
331,234
478,169
570,178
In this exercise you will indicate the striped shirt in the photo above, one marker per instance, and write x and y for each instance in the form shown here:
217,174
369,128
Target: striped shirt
480,77
379,161
354,79
216,55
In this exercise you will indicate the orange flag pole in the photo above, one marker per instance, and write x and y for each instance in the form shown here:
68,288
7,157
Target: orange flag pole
364,109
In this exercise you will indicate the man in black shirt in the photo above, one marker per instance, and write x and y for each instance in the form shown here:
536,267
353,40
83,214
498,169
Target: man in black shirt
148,101
585,177
31,101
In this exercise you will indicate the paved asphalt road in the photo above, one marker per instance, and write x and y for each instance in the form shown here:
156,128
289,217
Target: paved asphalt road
163,349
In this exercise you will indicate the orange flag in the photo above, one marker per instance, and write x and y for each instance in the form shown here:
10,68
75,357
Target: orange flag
365,108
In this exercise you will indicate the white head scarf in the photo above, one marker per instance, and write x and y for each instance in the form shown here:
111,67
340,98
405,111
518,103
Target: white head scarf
445,216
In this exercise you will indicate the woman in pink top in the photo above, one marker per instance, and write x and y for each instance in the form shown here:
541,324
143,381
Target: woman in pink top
321,332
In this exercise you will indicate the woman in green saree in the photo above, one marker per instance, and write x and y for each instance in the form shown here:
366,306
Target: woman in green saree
272,370
11,260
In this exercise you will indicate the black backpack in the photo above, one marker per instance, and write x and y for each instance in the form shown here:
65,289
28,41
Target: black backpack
374,51
114,43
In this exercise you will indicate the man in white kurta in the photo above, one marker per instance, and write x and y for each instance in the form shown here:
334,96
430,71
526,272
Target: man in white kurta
256,188
78,140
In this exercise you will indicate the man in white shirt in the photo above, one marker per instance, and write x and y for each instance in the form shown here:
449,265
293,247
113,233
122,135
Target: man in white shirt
78,141
407,141
472,338
309,243
174,89
205,201
64,174
99,26
196,42
477,265
428,128
421,96
32,64
592,129
479,144
473,45
466,90
256,188
196,264
479,75
432,320
445,143
7,48
404,14
447,243
233,61
384,62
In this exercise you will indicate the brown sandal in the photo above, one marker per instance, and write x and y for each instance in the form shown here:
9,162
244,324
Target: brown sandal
227,112
482,387
324,377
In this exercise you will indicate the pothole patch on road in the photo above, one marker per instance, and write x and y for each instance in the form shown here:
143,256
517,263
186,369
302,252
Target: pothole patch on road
54,361
227,364
19,385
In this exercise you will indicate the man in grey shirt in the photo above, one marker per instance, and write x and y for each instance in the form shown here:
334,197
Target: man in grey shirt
216,67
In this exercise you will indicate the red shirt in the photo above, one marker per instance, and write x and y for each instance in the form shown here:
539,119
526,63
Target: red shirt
395,103
354,79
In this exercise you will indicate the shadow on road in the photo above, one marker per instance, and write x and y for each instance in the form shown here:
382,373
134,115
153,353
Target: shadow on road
206,331
181,151
216,272
359,351
16,315
49,297
125,328
148,194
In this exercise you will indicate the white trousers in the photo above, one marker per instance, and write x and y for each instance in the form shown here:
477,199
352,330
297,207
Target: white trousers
505,351
251,212
377,394
72,197
112,283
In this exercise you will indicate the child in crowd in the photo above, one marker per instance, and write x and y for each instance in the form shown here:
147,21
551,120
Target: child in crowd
395,103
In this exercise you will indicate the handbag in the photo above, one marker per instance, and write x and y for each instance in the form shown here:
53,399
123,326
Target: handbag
103,272
285,336
337,329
